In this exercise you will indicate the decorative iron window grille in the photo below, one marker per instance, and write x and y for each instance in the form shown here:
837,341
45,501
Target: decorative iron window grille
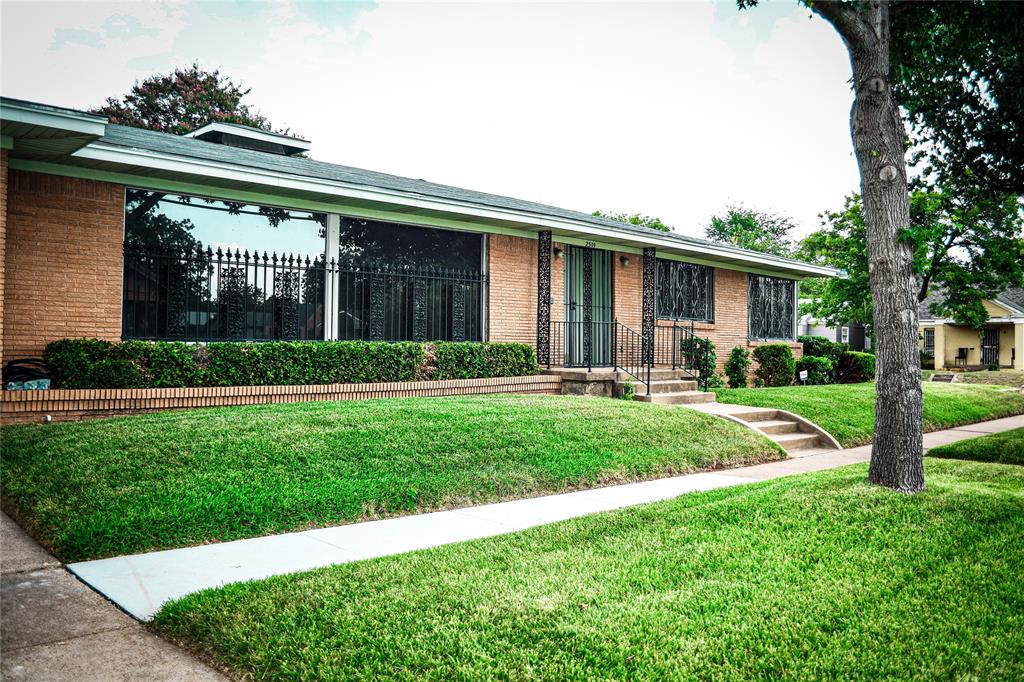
929,341
380,301
206,295
686,291
771,304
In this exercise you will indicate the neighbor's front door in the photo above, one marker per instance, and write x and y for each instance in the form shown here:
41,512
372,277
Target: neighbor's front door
990,347
588,307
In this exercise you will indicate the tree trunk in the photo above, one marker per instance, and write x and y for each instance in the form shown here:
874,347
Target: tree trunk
897,450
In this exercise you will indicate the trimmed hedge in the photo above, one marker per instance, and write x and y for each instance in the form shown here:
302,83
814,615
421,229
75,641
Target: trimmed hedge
90,363
775,365
855,368
819,370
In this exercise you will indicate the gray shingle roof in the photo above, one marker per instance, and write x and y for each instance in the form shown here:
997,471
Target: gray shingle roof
198,149
1013,297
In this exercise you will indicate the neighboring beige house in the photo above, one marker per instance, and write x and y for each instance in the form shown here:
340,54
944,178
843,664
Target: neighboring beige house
1001,341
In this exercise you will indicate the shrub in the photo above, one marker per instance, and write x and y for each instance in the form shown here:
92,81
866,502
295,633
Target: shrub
819,370
470,360
90,363
736,367
703,358
817,346
855,368
927,360
775,365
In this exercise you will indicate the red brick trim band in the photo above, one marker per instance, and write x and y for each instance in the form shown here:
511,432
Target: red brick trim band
66,405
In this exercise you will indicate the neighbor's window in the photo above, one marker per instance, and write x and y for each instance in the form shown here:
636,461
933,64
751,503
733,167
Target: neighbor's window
686,291
929,341
198,269
771,303
406,283
844,335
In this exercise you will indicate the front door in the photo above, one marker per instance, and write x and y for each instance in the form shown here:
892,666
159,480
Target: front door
588,307
990,346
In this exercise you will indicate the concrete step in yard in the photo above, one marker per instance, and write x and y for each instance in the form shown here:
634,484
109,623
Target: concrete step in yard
677,398
777,426
790,434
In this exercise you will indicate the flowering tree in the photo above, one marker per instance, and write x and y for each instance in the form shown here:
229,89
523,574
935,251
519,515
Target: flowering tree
182,101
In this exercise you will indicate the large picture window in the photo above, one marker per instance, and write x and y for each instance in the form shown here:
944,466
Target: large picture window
200,269
771,303
405,283
686,291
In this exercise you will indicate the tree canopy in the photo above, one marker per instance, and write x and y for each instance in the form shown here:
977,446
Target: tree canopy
958,74
751,229
182,101
967,245
634,219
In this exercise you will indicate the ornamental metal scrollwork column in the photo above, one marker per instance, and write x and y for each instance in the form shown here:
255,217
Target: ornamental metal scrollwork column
419,309
459,312
588,305
377,284
647,327
544,298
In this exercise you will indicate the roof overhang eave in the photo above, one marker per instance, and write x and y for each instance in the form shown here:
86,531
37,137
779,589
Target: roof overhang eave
73,122
169,163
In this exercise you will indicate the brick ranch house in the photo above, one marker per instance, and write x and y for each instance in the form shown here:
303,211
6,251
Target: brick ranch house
228,233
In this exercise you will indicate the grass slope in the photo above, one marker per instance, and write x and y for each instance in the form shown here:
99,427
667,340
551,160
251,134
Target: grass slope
810,577
118,486
1003,377
847,411
1003,448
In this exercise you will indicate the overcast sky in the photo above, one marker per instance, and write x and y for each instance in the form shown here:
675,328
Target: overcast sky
669,109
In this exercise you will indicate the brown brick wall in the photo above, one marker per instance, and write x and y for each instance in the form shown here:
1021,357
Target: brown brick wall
68,405
627,285
3,241
512,297
63,261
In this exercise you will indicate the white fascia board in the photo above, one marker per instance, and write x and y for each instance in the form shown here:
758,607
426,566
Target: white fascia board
99,151
74,122
245,131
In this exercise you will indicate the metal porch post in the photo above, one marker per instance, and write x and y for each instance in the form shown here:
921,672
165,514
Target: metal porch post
544,298
647,328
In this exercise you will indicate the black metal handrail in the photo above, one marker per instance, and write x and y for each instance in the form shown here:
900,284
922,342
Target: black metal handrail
597,343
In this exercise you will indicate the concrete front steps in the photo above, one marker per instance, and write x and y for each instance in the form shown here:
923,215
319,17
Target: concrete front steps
668,387
799,437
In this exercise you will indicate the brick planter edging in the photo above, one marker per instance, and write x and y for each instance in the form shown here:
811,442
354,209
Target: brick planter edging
72,404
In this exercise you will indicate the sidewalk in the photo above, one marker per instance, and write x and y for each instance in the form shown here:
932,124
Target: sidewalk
55,628
141,583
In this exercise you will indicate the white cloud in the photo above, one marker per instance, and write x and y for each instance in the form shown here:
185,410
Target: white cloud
668,109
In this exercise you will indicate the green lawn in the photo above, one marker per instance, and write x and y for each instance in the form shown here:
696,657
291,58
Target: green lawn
809,577
1003,377
1004,448
131,484
847,411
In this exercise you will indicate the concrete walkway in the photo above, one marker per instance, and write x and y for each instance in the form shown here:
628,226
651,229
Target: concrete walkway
52,627
141,583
